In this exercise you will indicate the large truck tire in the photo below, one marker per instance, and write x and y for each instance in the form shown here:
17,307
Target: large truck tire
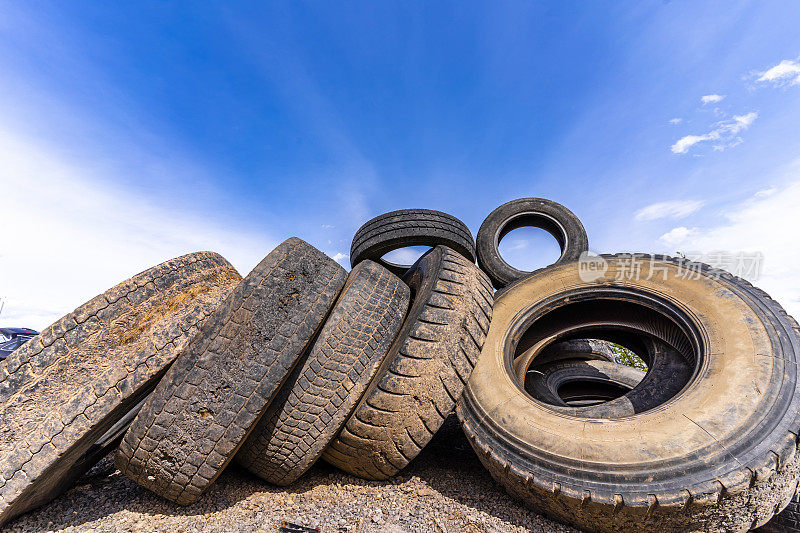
409,227
203,409
550,216
67,394
424,374
322,392
718,453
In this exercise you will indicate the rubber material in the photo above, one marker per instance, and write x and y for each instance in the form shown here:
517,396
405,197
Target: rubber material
544,382
409,227
719,456
787,521
214,393
550,216
314,404
583,349
65,388
425,372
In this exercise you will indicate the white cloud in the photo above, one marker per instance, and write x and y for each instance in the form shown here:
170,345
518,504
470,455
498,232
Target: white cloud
328,226
676,236
712,98
674,209
786,72
765,224
675,121
766,192
725,134
69,234
342,259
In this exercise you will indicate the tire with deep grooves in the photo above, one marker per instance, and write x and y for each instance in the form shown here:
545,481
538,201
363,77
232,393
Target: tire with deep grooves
719,456
204,407
550,216
61,392
409,227
321,393
788,521
425,372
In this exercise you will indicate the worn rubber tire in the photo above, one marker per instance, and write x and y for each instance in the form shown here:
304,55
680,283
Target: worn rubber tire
550,216
544,381
718,456
322,392
200,413
426,369
787,521
66,388
583,349
409,227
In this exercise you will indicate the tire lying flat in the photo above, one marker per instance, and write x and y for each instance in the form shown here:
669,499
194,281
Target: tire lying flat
322,392
550,216
425,371
409,227
720,455
203,409
66,388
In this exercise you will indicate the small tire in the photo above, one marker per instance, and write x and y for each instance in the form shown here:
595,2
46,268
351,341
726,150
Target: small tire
424,374
409,227
550,216
588,380
583,349
718,455
203,409
63,392
316,401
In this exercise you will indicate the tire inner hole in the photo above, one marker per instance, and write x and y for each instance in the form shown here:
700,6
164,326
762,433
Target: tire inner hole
529,248
405,256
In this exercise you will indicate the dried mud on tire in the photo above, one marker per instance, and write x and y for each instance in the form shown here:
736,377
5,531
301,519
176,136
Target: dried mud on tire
63,390
425,372
322,392
205,406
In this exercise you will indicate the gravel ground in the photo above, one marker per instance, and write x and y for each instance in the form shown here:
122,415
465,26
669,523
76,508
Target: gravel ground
444,490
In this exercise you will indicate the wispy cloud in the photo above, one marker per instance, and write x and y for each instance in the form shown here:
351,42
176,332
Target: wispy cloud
76,235
725,134
787,72
342,259
676,236
675,121
712,98
750,227
674,209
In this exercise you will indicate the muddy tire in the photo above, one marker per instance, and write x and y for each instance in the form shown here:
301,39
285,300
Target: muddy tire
202,410
718,455
322,392
550,216
409,227
787,521
63,392
426,369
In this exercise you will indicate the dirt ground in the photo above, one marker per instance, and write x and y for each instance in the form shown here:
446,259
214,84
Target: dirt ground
444,490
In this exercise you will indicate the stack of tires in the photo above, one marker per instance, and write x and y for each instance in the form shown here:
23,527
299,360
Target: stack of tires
188,366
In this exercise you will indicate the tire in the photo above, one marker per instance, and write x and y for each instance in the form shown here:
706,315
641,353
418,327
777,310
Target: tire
201,412
718,455
550,216
787,521
409,227
63,392
316,401
582,349
424,374
588,382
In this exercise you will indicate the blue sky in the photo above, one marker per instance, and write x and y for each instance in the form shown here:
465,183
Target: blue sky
134,132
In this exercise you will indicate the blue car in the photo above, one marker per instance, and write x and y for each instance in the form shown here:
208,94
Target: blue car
13,338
